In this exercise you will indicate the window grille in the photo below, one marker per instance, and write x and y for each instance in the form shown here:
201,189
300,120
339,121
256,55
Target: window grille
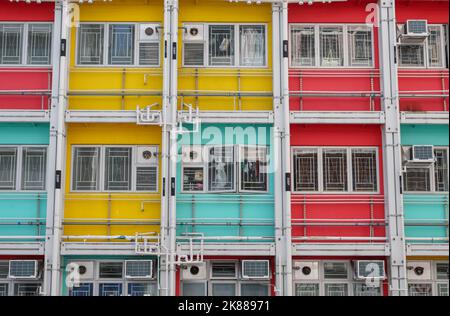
364,165
435,46
254,168
442,271
86,167
441,170
26,289
335,170
90,44
360,289
4,291
39,44
85,289
360,46
121,44
118,169
34,164
418,179
110,289
253,45
8,165
193,179
11,38
306,170
331,46
303,46
142,289
443,289
420,289
411,55
336,289
221,45
149,54
221,169
307,290
111,270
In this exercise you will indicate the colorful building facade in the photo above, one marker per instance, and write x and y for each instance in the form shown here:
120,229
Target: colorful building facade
224,148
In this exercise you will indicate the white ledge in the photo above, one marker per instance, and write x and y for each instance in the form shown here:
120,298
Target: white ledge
328,117
25,116
341,249
424,117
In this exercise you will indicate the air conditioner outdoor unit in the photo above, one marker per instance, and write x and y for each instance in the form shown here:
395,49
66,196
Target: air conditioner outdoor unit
147,155
23,269
85,269
139,269
194,33
256,269
306,270
192,154
417,28
194,272
368,269
422,153
149,32
419,270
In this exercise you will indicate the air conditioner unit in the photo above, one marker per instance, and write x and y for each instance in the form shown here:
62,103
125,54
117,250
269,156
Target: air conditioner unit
194,33
417,28
422,153
149,32
194,272
256,269
147,155
85,269
419,270
368,269
306,270
192,154
139,269
23,269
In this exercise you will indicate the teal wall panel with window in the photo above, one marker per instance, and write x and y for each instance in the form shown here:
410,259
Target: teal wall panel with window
227,214
23,212
427,213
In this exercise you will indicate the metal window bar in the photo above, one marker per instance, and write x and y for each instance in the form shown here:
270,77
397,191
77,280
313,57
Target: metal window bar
307,290
84,289
306,176
11,41
360,46
360,289
193,179
4,290
331,46
26,289
336,289
221,45
435,46
420,289
254,164
86,168
142,289
34,163
221,168
110,289
90,44
118,165
443,289
364,164
252,45
39,44
418,179
121,44
303,43
8,171
411,55
441,170
335,170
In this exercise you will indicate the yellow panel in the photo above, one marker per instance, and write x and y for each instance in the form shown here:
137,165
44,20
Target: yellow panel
99,207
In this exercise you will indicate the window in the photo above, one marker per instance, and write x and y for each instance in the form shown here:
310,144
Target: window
27,289
420,289
226,45
336,289
118,44
23,168
223,270
224,289
427,54
331,46
219,170
254,290
115,168
427,178
194,289
142,289
111,270
360,289
4,289
335,270
35,40
110,289
84,289
335,169
307,290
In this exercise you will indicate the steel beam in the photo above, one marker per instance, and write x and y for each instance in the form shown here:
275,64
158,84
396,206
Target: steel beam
24,116
313,117
22,248
93,116
424,118
341,249
427,250
233,117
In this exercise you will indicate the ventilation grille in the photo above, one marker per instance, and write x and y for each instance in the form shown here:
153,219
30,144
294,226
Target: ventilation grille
194,54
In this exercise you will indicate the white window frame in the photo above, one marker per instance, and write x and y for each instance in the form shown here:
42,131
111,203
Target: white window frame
432,174
425,47
105,56
345,43
102,171
237,170
320,173
237,50
19,171
434,281
24,52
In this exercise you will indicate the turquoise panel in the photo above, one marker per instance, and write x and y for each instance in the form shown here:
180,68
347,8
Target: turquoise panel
436,135
216,215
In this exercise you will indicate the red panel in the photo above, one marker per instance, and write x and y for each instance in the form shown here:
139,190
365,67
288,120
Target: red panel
13,11
433,11
338,207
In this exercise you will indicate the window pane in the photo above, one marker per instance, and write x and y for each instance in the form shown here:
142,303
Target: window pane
417,180
193,179
442,271
221,45
3,289
420,290
443,289
86,167
441,170
360,289
8,158
39,44
435,46
364,165
255,290
335,270
194,54
331,46
194,289
121,44
307,290
221,169
111,270
335,170
303,43
34,164
306,170
142,289
147,179
224,289
336,290
4,269
149,54
90,44
27,289
118,169
85,289
11,44
254,169
110,289
253,45
411,56
360,46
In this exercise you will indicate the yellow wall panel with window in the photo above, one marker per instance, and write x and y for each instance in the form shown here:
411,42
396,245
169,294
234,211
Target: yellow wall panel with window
90,213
